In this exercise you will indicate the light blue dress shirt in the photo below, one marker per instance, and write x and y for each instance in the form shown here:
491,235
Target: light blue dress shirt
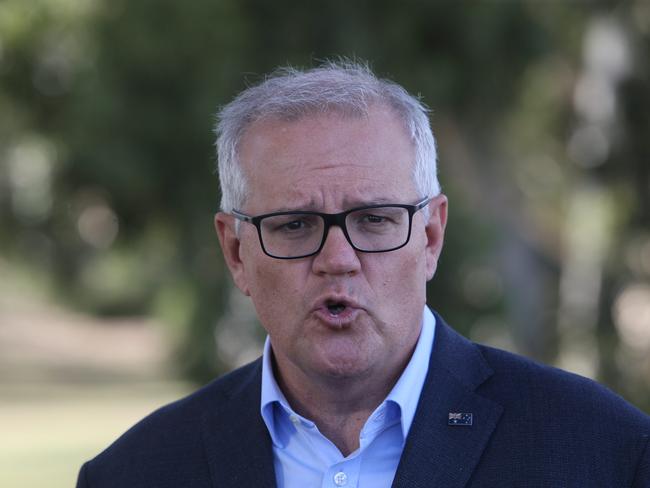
304,458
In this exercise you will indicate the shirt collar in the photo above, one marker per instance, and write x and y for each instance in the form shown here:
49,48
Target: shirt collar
402,395
271,394
406,392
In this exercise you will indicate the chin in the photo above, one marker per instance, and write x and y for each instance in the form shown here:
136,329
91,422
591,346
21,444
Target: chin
342,367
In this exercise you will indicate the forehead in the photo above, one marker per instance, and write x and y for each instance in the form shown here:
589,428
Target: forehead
327,159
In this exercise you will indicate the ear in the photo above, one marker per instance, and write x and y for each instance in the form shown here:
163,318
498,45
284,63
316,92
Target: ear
230,245
435,232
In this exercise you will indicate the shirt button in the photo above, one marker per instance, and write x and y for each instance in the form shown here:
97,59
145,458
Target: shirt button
294,419
340,479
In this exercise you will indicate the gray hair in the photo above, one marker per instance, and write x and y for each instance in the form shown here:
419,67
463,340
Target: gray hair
345,87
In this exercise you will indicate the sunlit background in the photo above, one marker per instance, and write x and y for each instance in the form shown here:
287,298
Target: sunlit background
113,296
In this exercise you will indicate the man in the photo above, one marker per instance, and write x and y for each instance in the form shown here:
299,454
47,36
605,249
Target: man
332,222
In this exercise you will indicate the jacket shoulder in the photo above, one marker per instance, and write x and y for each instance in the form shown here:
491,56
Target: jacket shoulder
169,440
520,380
573,426
184,413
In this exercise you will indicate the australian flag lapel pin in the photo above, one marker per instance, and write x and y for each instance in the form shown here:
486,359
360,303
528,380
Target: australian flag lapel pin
457,418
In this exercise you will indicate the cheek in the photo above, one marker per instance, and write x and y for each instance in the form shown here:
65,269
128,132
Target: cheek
402,280
264,283
275,287
259,270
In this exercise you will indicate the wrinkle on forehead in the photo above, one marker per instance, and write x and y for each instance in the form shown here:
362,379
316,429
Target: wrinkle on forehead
330,142
352,176
329,163
343,196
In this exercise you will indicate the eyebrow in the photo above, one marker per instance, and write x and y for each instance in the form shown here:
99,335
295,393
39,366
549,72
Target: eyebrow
312,207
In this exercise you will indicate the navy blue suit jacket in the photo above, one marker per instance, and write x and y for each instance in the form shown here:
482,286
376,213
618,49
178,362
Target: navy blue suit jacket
532,426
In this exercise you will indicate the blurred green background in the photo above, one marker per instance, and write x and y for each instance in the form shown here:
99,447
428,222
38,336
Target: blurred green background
113,295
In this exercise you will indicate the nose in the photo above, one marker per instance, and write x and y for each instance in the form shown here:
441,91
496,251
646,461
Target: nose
337,255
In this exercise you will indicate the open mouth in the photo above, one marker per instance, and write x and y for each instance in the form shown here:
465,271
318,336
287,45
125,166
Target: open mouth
336,308
337,311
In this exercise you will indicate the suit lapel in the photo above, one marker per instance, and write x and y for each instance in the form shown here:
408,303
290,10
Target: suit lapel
237,444
438,454
239,451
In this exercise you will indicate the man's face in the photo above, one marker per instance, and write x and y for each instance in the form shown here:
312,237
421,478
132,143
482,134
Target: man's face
330,163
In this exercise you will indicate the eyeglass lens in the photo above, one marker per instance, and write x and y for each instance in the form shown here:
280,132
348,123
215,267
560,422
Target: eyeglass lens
370,229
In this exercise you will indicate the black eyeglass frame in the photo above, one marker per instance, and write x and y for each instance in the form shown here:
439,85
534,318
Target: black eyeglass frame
337,219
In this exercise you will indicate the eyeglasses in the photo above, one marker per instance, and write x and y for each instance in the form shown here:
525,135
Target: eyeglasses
299,234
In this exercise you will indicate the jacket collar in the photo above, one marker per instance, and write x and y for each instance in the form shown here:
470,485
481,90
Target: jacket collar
239,450
237,444
436,453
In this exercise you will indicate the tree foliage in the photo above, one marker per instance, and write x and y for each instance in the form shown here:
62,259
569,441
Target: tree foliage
107,155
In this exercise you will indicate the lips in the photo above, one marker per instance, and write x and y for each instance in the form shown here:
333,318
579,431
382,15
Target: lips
336,311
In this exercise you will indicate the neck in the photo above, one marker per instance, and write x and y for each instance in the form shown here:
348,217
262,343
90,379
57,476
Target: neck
338,406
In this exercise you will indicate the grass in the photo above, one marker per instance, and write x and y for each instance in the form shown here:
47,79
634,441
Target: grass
47,432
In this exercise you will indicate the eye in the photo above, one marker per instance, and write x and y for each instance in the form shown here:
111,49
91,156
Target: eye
293,225
290,225
374,219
